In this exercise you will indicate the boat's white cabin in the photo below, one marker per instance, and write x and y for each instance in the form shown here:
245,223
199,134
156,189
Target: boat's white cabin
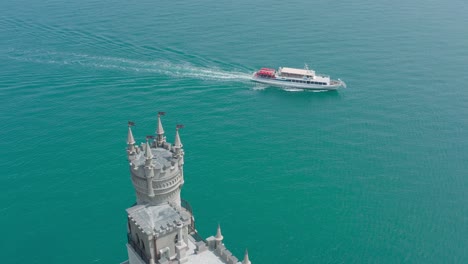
296,73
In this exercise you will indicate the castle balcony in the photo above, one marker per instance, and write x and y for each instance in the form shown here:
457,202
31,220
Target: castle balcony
191,228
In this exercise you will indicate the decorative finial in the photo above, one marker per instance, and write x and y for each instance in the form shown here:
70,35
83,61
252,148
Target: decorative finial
219,236
246,258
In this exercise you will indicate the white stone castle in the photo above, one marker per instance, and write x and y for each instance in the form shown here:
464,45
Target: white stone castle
161,227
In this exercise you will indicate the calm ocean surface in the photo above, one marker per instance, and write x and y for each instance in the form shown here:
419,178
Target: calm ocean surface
376,173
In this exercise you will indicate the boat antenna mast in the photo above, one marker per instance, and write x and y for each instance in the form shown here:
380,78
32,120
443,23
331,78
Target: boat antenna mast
312,73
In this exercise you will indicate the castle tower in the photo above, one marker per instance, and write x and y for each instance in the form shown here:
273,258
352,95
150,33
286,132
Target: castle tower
157,171
161,228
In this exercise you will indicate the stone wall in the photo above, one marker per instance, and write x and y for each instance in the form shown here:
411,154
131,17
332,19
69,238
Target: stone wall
221,251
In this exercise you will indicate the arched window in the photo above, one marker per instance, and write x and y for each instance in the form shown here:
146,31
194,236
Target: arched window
176,239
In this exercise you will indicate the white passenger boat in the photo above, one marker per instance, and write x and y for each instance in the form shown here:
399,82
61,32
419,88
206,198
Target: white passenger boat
296,78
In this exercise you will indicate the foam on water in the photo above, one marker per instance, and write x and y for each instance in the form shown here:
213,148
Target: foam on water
293,89
259,87
164,67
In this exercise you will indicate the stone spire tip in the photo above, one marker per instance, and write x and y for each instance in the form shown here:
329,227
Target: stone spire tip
177,141
148,154
160,129
246,258
130,138
219,236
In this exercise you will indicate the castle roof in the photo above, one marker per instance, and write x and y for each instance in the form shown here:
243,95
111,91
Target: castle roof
158,219
161,158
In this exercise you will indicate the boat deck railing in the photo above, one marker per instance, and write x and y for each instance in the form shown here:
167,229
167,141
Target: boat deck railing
322,75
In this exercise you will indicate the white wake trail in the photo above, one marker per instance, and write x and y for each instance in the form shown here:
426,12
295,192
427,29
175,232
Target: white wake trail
176,70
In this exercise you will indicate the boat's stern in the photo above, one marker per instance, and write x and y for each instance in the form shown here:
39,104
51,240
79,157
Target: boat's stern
265,73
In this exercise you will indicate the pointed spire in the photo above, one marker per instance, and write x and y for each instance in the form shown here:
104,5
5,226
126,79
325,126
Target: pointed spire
177,142
160,129
219,236
148,154
246,258
130,139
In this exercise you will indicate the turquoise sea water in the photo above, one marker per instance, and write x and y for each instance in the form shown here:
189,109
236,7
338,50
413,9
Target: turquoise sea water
376,173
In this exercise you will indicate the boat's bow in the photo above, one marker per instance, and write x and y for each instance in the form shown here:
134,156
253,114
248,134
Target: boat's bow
343,84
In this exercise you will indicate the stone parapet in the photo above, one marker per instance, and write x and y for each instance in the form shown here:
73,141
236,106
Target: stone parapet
221,251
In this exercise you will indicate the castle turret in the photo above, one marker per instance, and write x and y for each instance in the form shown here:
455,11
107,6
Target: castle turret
149,169
179,152
181,246
160,138
177,142
219,237
130,139
148,154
